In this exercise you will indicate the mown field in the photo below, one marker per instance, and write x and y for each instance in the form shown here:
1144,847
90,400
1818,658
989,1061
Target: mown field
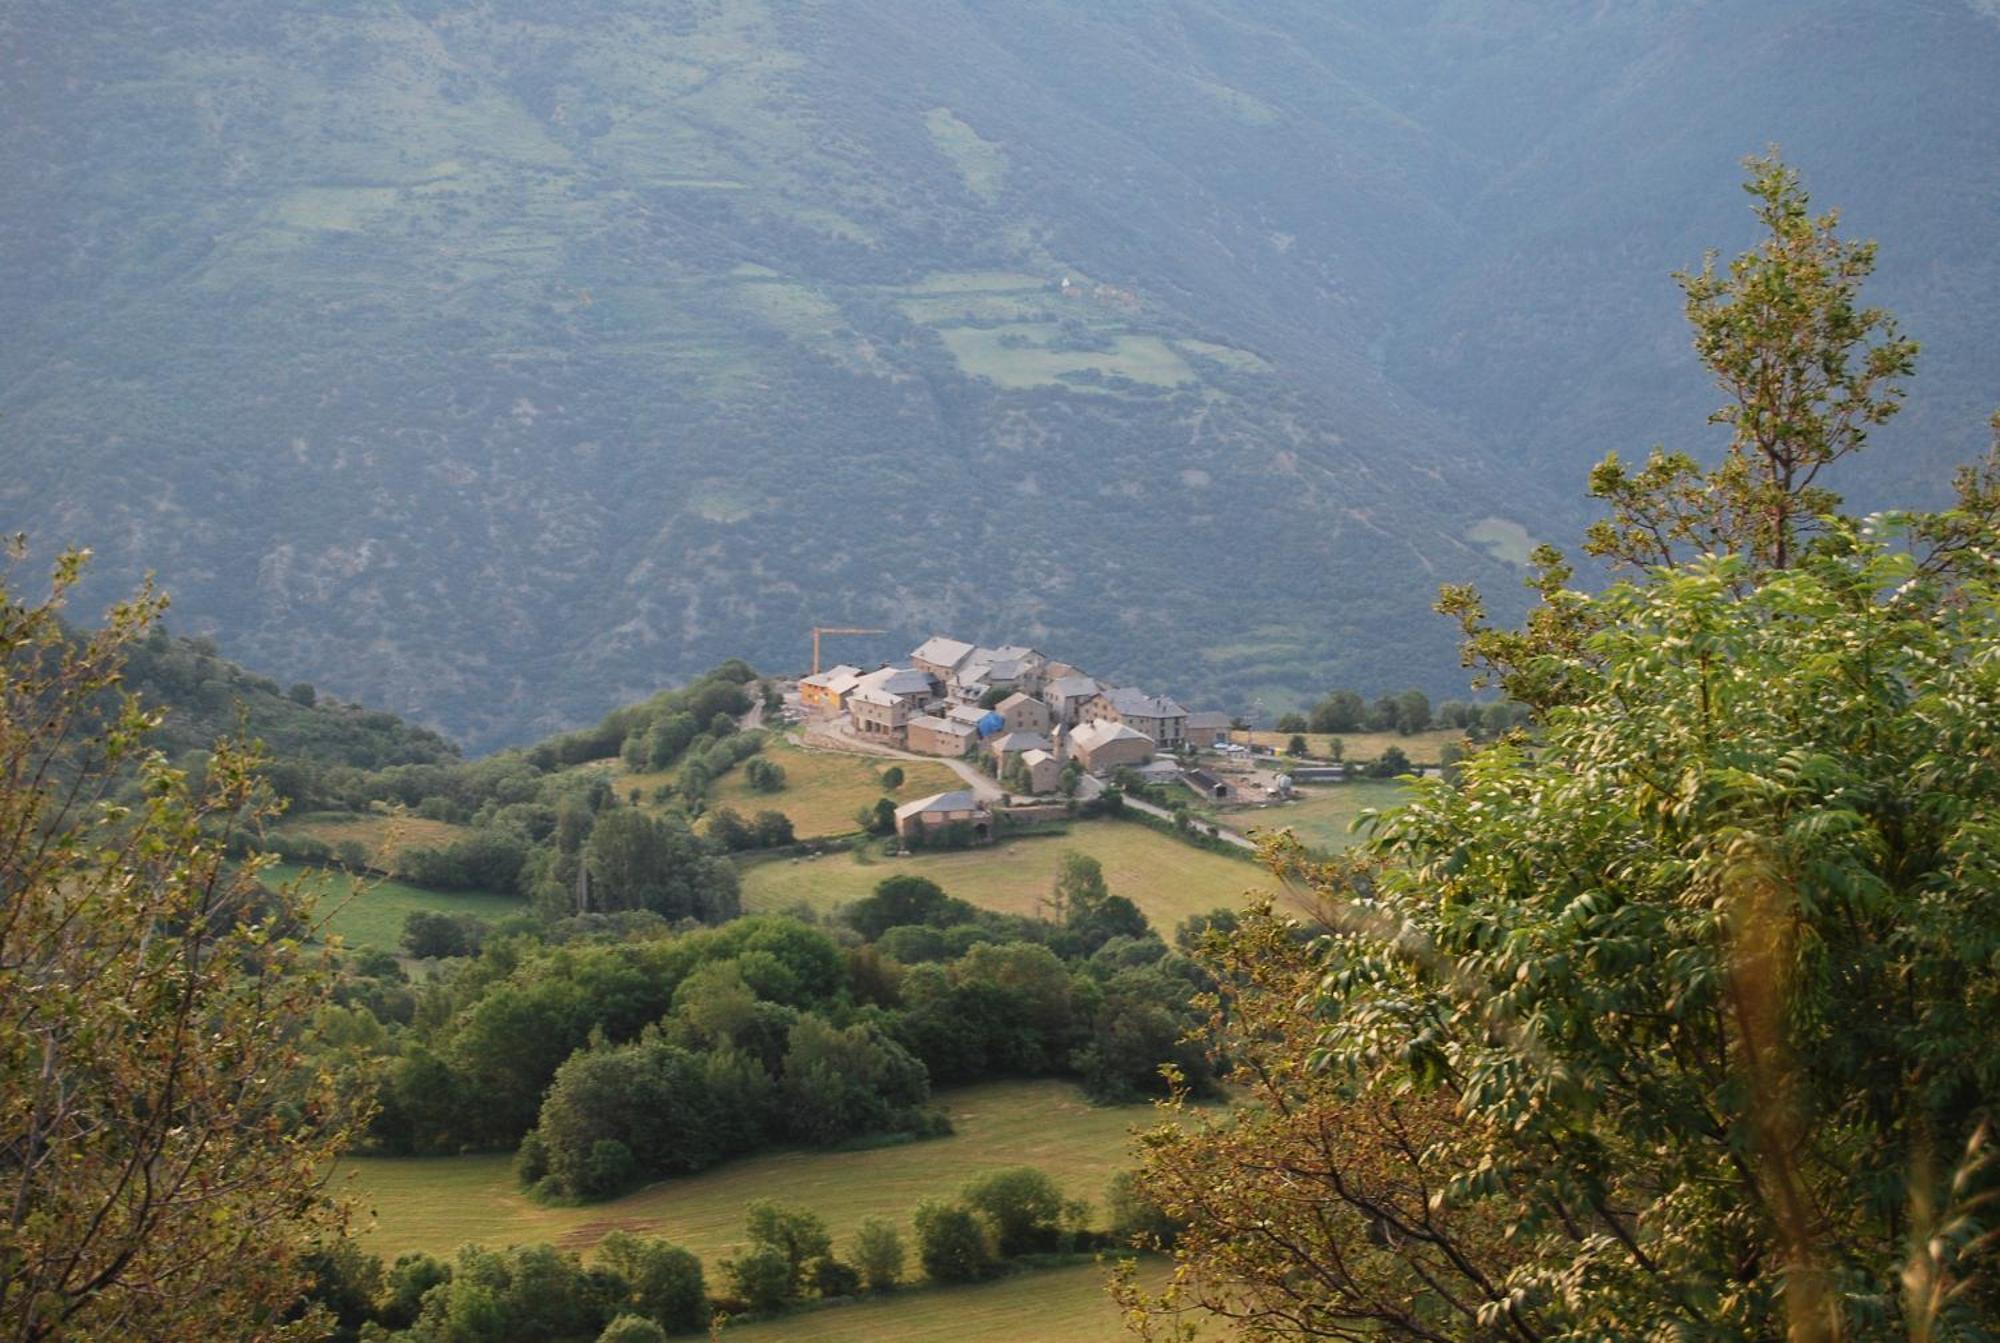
1167,879
1058,1305
381,836
823,789
1422,748
1320,817
439,1203
373,918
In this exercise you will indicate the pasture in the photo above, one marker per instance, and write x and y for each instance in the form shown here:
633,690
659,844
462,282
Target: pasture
1056,1305
372,917
1320,817
824,789
1167,879
382,836
436,1204
1423,748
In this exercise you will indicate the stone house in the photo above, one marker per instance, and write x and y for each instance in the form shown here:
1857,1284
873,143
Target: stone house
879,714
1206,729
1157,717
1018,743
941,657
1102,745
1044,771
941,736
916,819
1066,696
1025,713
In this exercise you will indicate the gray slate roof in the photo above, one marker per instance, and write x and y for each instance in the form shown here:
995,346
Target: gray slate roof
957,800
1073,687
942,651
1141,705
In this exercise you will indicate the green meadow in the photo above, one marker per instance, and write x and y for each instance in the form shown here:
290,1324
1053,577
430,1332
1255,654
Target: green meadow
436,1204
1167,879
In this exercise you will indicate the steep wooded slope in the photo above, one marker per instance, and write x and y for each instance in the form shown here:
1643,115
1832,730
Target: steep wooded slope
497,362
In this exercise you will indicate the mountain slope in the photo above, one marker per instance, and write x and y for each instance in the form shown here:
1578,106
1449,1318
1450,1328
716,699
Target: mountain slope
499,363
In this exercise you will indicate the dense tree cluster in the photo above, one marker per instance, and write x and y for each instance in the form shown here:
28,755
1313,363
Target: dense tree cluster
613,1049
1675,1020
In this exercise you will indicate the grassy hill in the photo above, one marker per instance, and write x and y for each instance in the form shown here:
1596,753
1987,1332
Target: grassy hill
439,1203
1195,343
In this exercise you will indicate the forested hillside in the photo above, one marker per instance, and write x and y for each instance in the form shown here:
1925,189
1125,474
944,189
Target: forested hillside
497,362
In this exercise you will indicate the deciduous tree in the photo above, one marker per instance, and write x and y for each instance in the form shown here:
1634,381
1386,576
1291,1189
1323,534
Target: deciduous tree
163,1140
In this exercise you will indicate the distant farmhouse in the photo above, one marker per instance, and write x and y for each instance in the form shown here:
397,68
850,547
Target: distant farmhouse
1030,715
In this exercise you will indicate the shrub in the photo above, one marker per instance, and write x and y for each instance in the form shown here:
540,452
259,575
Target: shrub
1022,1205
953,1244
632,1329
663,1281
878,1254
762,1276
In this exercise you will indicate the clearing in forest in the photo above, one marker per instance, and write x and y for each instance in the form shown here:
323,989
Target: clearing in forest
373,919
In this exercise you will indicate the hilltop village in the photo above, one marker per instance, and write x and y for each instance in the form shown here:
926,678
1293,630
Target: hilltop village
1038,725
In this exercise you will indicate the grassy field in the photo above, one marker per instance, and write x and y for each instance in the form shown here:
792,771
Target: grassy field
379,835
1023,355
439,1203
823,789
1320,816
1167,879
375,917
1058,1305
1421,747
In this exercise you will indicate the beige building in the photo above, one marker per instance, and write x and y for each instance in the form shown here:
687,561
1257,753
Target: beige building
915,819
1044,771
1025,713
1206,729
1066,696
1103,745
941,736
828,691
1018,743
1157,717
941,657
879,714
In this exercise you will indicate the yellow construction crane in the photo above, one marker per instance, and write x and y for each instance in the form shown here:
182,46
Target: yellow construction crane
828,629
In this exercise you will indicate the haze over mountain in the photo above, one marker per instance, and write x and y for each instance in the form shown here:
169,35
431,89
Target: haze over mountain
499,362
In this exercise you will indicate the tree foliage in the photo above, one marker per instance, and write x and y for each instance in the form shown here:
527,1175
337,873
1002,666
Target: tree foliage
1673,1021
163,1138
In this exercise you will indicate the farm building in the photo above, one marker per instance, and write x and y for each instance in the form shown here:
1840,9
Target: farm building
916,819
1206,729
1104,745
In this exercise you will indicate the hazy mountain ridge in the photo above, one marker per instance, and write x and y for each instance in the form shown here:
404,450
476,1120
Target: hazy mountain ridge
500,367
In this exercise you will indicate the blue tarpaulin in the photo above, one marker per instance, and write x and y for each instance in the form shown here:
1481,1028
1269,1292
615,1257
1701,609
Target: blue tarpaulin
991,724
